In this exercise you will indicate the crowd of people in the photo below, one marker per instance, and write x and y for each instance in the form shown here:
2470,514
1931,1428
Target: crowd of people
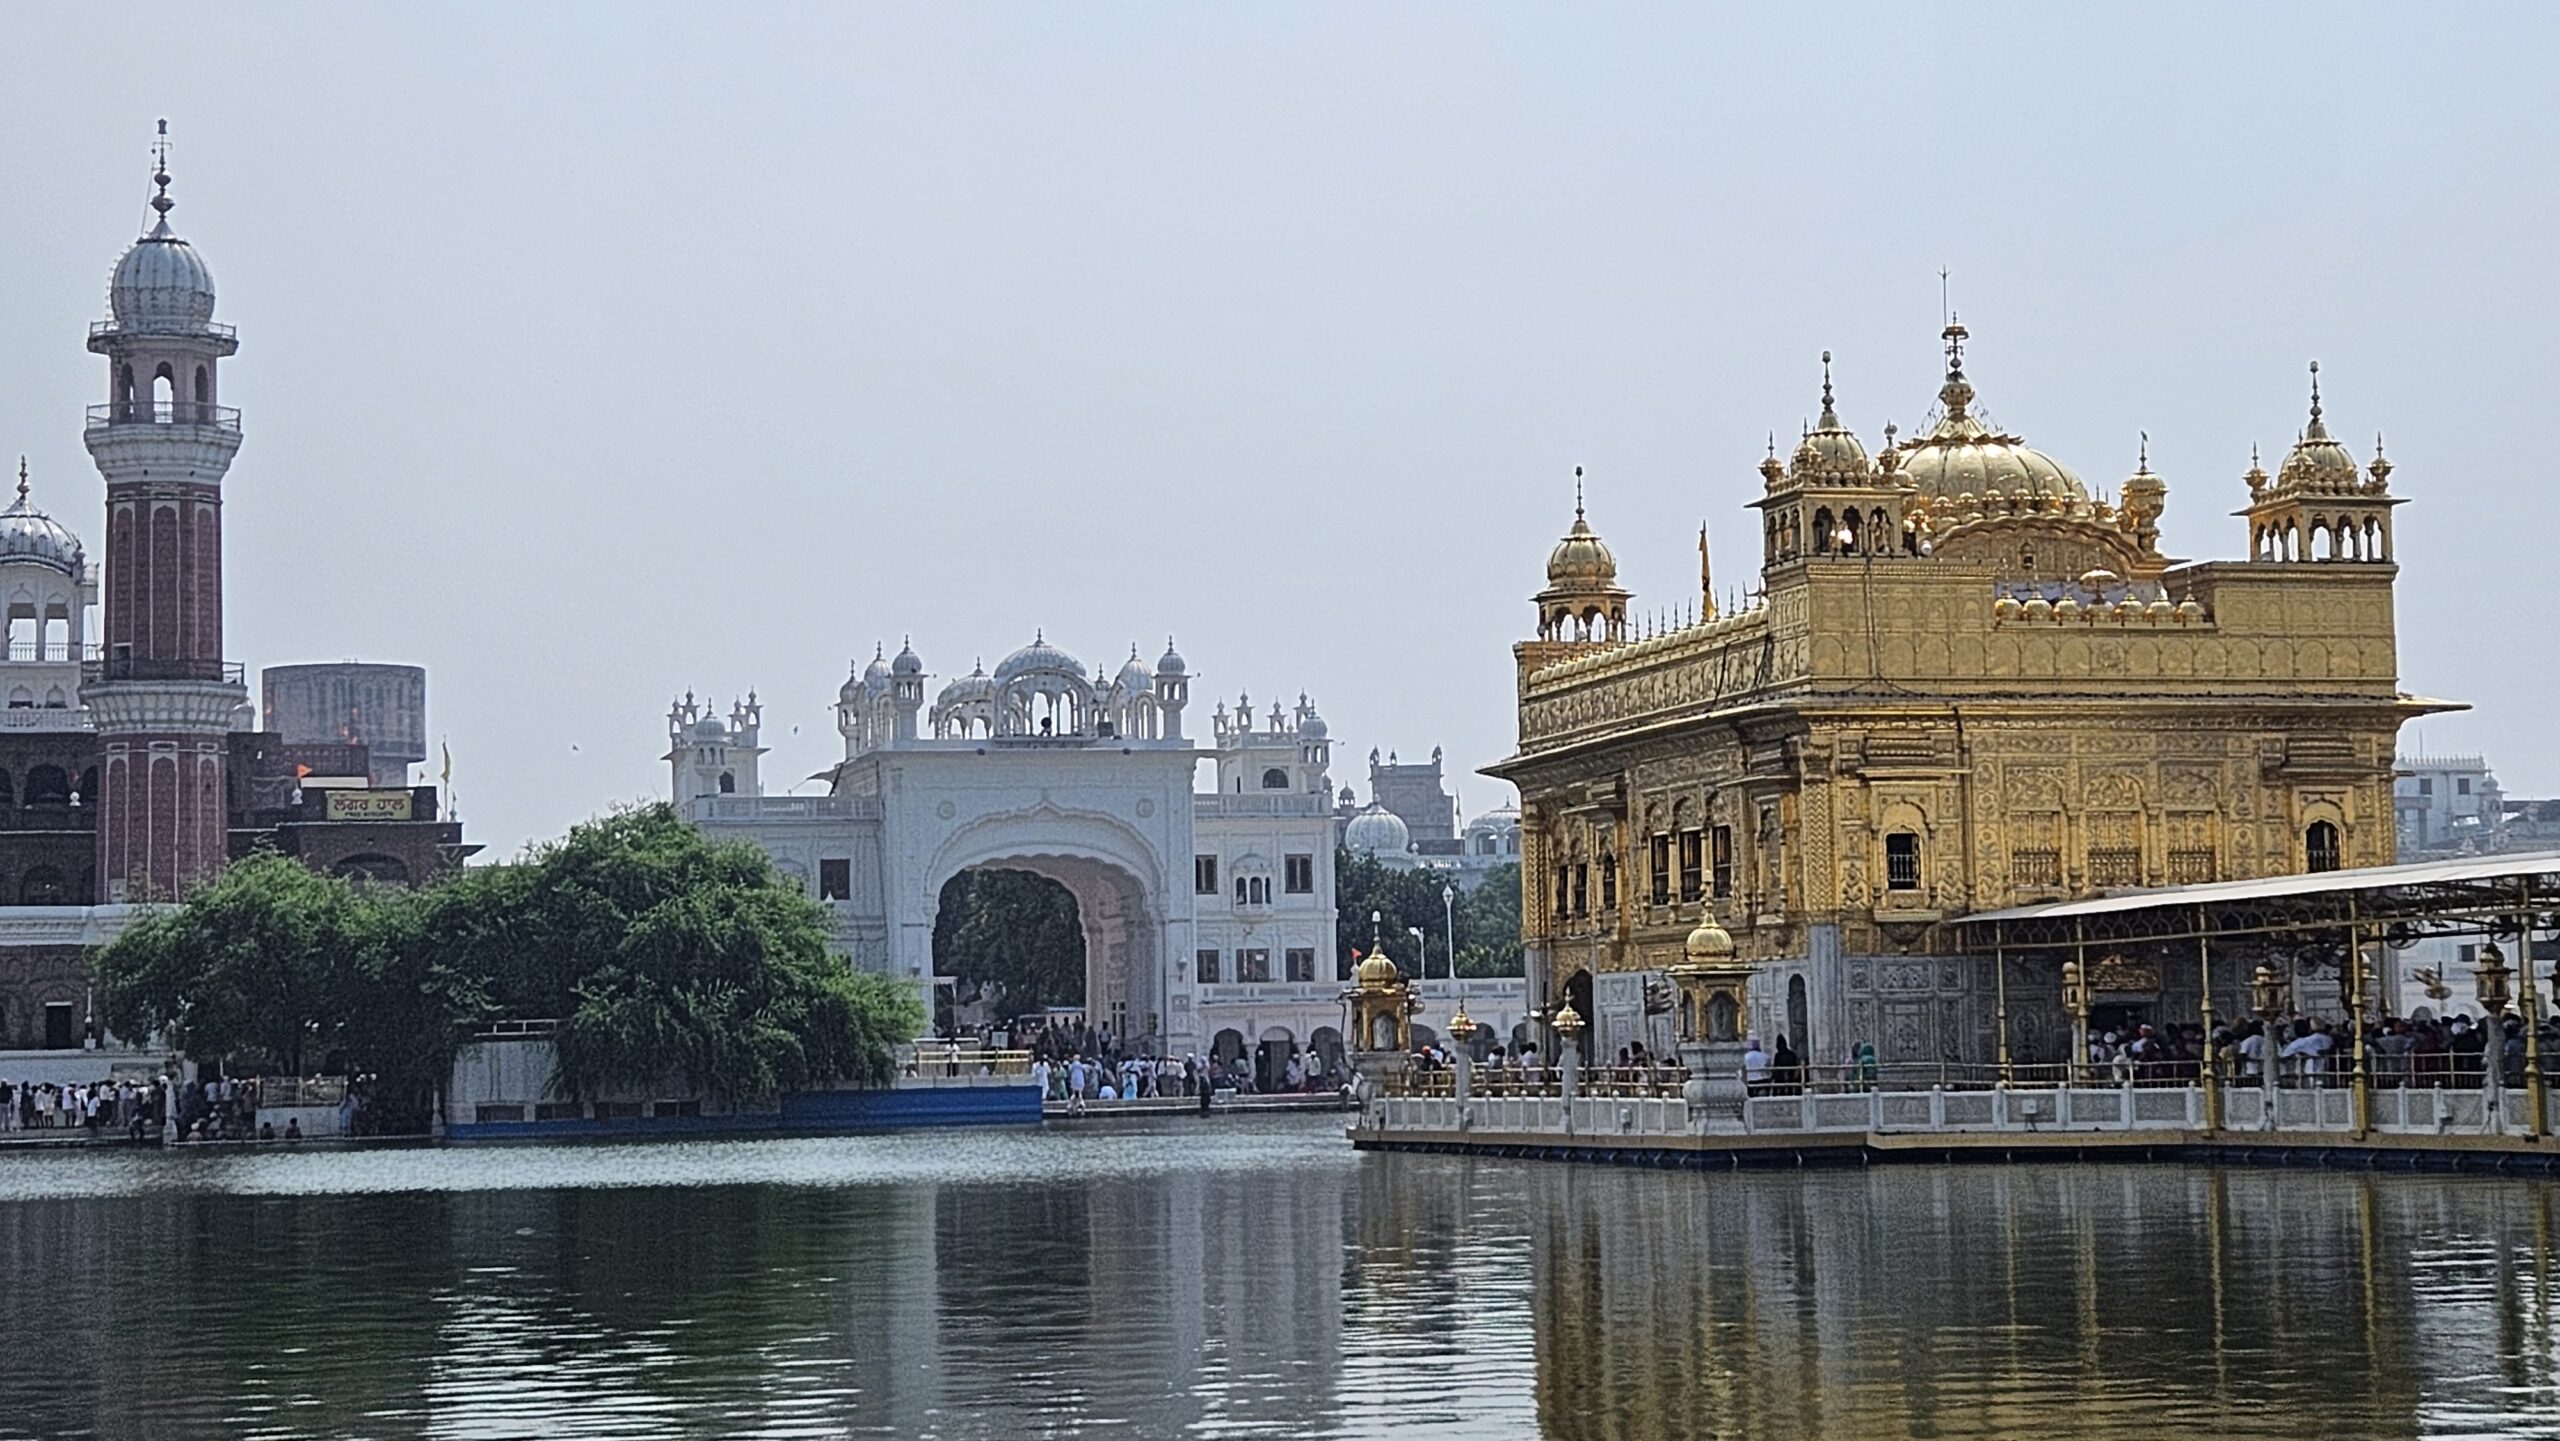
2442,1051
96,1107
141,1110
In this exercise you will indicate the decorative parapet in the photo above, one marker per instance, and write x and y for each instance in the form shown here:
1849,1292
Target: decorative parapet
1686,671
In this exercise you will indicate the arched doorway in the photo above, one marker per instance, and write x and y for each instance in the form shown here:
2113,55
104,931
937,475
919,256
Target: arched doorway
1799,1018
1271,1059
1102,867
1008,961
1226,1055
1324,1049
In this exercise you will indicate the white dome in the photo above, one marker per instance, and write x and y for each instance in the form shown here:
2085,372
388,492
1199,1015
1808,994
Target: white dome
977,685
908,662
28,534
1039,657
161,285
1377,831
1171,663
1314,728
1500,818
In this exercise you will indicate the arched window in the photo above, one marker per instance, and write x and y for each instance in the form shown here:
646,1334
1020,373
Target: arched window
204,394
373,870
48,786
88,792
1849,531
164,393
1822,531
1275,779
728,783
1902,861
2320,850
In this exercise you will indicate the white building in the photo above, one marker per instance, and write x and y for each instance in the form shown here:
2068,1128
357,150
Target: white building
1208,919
2445,805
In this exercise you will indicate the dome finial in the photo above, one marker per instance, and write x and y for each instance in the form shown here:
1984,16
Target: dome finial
1955,336
2142,460
1830,418
1577,494
160,173
2317,429
22,471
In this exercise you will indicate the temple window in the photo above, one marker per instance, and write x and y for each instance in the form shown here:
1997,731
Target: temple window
1659,863
1902,861
2320,849
1722,839
1691,878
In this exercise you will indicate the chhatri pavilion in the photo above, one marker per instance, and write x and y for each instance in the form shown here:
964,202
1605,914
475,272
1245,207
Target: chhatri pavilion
1964,682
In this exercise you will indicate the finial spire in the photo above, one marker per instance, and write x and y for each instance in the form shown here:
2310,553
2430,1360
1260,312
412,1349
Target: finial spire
160,173
2315,392
1955,336
1830,419
1577,493
2142,462
22,471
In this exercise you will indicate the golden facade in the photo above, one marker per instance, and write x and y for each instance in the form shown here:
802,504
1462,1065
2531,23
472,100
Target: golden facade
1964,682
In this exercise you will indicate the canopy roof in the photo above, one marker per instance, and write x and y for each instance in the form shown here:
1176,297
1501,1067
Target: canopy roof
2467,894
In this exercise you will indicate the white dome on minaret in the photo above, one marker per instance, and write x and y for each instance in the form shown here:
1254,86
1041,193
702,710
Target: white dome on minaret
161,285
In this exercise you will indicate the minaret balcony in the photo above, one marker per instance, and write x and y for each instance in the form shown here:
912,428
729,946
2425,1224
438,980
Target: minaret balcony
104,332
149,668
119,415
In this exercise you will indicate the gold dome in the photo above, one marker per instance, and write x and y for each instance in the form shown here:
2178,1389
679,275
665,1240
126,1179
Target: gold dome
1709,943
1960,455
2318,464
1829,451
1581,560
1375,972
1566,1019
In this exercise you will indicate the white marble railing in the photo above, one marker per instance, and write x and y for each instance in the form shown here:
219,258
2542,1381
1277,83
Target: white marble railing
2171,1112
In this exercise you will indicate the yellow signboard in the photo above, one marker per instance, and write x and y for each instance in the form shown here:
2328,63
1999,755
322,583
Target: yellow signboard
368,805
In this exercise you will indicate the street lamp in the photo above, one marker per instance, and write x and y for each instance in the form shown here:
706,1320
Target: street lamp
2075,999
1449,914
2489,977
2267,992
2490,974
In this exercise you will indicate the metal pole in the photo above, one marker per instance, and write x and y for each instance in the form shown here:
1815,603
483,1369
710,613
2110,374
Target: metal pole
2088,983
2528,1001
2204,984
2361,1081
2000,991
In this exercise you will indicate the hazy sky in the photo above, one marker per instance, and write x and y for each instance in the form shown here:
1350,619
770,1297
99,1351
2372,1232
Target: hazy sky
593,353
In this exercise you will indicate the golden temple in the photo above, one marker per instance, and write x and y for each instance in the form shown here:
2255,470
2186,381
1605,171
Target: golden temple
1963,682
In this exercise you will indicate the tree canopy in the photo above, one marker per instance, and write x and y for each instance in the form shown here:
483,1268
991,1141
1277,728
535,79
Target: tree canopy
1015,931
1488,917
663,957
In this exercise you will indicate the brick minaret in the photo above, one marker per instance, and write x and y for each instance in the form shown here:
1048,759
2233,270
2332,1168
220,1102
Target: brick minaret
159,691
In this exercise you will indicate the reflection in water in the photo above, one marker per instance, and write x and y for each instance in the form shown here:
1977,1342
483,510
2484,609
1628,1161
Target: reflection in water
1251,1278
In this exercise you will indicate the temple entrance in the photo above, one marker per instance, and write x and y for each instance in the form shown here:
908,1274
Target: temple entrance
1271,1059
1017,937
1008,946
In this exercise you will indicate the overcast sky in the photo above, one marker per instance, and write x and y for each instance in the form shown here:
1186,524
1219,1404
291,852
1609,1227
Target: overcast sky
589,354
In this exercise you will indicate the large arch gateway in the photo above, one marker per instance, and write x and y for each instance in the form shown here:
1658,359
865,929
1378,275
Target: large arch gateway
1084,779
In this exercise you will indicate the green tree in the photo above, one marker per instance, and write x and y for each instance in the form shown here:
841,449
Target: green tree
1488,917
1015,930
277,968
665,958
1489,925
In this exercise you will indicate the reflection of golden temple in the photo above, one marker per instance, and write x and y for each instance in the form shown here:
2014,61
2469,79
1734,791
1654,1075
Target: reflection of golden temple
1966,682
